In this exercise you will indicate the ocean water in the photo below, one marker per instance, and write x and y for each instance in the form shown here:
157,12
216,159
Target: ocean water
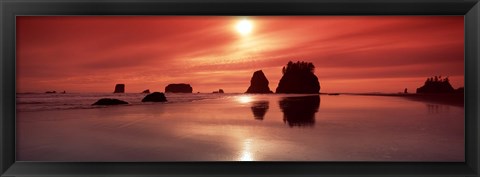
237,127
43,102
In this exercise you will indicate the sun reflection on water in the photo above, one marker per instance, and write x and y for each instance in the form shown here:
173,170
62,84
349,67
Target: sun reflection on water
246,151
245,99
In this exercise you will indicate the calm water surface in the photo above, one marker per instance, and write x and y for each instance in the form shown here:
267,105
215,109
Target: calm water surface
242,127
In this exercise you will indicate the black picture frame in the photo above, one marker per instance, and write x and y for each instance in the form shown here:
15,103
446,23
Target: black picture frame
470,9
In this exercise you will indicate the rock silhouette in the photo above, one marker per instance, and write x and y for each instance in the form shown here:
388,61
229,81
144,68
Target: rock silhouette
436,84
258,83
300,111
109,101
146,91
179,88
259,109
298,77
119,88
51,91
155,97
219,91
460,90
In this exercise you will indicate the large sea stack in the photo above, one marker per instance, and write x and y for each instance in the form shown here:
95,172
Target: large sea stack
178,88
119,88
298,77
258,83
436,84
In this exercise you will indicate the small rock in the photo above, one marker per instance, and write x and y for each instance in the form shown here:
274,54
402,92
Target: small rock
146,91
109,101
155,97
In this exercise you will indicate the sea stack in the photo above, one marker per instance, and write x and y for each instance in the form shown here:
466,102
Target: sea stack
155,97
436,84
258,83
178,88
298,77
146,91
119,88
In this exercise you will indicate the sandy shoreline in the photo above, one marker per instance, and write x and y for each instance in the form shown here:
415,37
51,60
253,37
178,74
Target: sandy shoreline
452,99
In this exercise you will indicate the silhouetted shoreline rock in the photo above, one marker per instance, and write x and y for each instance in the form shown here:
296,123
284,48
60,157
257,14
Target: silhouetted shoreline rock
109,101
155,97
178,88
146,91
460,90
436,85
51,91
219,91
298,77
258,83
119,88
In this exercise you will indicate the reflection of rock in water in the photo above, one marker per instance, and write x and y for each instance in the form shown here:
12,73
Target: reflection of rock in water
436,108
259,109
300,111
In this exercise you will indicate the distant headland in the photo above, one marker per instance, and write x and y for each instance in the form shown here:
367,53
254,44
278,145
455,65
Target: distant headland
435,90
436,84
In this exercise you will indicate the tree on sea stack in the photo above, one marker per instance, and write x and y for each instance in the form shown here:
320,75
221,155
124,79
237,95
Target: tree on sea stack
436,84
298,77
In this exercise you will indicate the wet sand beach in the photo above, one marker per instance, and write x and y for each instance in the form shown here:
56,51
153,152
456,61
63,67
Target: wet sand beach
453,99
272,127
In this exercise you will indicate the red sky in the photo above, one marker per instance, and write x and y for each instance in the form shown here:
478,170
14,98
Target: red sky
351,53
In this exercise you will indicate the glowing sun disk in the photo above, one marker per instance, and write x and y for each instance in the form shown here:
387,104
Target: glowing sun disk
244,27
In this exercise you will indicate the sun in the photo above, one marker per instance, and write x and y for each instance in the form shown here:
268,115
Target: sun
244,27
